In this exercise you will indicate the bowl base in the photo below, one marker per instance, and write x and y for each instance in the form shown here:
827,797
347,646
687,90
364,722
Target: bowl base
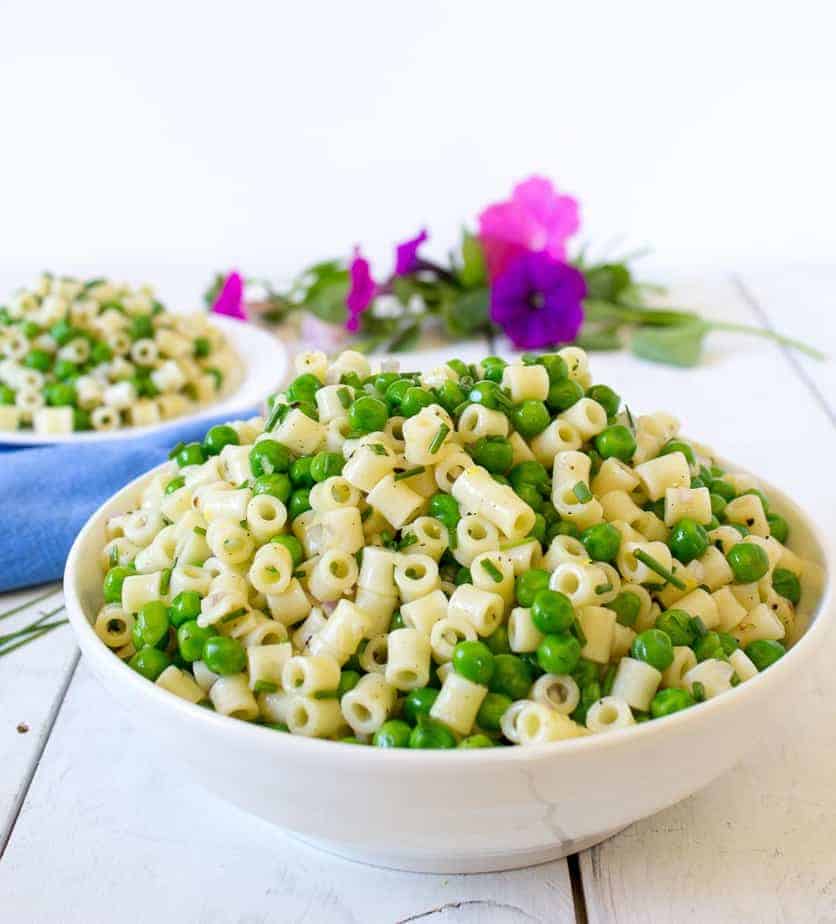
453,862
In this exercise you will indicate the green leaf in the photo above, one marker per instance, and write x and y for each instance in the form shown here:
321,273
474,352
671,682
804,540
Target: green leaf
406,338
680,345
472,273
326,297
607,280
468,312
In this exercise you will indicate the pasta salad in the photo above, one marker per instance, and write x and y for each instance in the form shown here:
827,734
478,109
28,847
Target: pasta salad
99,355
474,556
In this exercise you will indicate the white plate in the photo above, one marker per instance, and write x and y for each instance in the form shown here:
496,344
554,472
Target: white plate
263,361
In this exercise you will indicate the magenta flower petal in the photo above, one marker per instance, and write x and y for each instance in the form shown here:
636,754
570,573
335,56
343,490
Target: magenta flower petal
536,217
362,290
537,301
230,299
406,254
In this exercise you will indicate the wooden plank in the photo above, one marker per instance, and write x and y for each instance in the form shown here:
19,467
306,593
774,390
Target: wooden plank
106,811
32,683
757,845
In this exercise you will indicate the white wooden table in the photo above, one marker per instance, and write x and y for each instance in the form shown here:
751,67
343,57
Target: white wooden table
95,826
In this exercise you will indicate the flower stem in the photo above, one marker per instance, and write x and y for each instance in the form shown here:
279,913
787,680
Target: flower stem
772,335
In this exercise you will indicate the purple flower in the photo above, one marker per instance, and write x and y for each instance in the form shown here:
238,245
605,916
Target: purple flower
362,290
536,217
230,299
406,254
537,301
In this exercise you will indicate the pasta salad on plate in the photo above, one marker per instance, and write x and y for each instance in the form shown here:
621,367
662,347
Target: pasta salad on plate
472,556
97,355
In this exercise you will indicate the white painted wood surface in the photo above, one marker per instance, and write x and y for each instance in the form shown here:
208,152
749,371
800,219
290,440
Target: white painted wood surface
107,832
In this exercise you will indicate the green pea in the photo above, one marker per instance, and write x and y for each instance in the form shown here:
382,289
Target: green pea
530,418
303,388
723,488
62,332
218,437
267,457
666,702
748,562
563,394
679,446
529,472
785,583
449,395
489,395
493,453
348,681
491,711
709,646
474,661
392,734
7,395
65,370
676,624
764,653
778,527
476,741
293,546
529,493
538,531
493,368
591,692
175,484
224,655
728,642
445,508
192,639
300,501
366,415
511,676
326,465
558,654
552,612
383,380
397,390
113,581
741,528
277,485
152,623
81,419
190,454
201,347
688,540
419,702
141,327
626,607
585,672
414,400
38,359
100,353
150,662
654,647
718,504
555,366
352,380
463,576
429,733
562,528
497,641
550,515
185,606
300,472
616,442
601,541
606,397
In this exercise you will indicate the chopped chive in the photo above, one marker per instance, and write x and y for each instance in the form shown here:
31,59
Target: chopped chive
265,686
439,438
114,556
42,630
654,565
582,492
459,408
418,470
23,606
698,691
697,626
377,448
407,540
199,530
630,418
176,449
579,634
165,580
609,679
299,573
603,589
234,615
275,416
345,397
492,570
325,694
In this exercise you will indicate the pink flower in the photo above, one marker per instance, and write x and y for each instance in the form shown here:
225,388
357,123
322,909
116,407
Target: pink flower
535,218
406,254
230,299
362,290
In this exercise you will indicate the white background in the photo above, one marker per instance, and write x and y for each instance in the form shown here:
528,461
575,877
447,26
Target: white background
189,136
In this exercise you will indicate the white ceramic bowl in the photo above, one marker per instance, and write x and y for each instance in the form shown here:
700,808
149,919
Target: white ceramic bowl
450,811
263,366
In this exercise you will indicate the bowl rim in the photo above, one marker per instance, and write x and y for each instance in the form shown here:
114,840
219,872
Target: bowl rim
250,389
288,744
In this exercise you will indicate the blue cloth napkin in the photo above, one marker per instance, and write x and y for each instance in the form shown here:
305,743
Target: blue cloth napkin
48,493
